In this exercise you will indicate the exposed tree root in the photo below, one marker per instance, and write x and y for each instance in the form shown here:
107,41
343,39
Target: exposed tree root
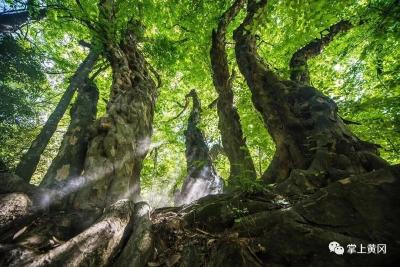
95,246
139,247
268,229
263,228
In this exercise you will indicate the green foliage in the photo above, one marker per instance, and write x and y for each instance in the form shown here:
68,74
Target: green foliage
359,70
23,87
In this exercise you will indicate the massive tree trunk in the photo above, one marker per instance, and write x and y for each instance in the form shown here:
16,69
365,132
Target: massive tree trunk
298,63
122,137
30,159
313,145
99,224
241,163
202,178
258,228
69,161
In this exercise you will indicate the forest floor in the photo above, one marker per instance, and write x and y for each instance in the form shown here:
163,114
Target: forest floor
255,228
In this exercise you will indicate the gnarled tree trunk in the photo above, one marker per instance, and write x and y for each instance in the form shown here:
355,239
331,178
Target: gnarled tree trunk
241,163
313,145
30,159
122,137
69,161
98,223
259,228
202,178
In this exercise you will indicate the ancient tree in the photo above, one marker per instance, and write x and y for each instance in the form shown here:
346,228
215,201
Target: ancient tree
202,178
121,138
233,141
110,179
312,142
324,183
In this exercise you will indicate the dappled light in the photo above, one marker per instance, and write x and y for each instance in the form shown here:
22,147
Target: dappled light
198,187
199,133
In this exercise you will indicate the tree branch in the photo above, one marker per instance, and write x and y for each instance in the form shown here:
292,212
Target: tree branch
298,64
11,21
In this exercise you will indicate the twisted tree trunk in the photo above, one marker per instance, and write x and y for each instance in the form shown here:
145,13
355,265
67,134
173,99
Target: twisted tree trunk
95,228
202,178
259,228
69,161
30,159
313,145
241,163
122,137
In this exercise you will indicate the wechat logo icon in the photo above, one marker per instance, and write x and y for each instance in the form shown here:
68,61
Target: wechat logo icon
336,247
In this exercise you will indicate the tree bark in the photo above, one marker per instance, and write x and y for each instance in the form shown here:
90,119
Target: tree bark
241,164
267,229
95,246
69,161
298,63
140,246
19,200
313,145
242,229
121,138
202,178
30,159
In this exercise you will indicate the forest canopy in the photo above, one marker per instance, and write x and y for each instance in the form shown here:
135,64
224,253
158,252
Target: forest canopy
237,121
358,70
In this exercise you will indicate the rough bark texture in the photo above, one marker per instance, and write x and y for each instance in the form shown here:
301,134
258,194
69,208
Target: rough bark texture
10,22
30,159
262,228
258,228
122,137
202,178
11,183
14,208
95,246
241,163
69,161
298,63
268,229
21,202
313,145
140,246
